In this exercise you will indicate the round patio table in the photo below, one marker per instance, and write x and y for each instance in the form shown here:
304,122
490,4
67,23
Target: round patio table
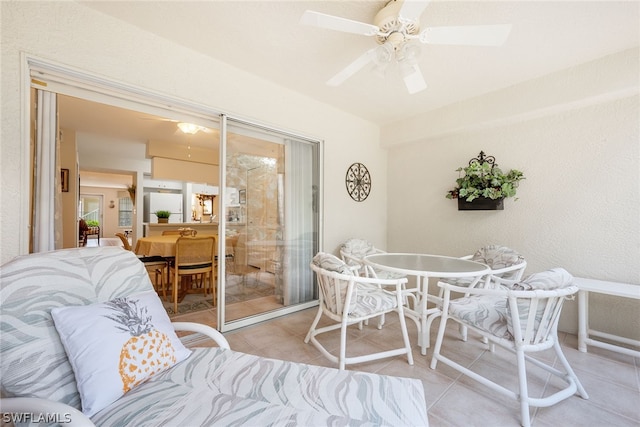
424,266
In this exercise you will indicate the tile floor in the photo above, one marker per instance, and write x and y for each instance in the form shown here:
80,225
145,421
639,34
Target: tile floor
611,379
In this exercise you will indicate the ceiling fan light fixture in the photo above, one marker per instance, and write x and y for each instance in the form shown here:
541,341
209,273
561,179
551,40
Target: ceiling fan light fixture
189,128
384,54
409,52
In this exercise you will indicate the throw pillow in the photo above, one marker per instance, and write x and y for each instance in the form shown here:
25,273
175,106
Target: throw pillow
116,345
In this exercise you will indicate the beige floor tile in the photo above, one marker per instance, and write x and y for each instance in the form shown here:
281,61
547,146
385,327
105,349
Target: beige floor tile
612,380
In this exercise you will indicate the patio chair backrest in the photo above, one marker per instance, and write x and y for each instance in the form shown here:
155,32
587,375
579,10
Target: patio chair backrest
506,262
33,362
334,276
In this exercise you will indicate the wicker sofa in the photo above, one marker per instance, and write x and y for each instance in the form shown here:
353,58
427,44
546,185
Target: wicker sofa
211,386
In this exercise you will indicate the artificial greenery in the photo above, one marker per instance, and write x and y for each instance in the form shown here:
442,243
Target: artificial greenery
92,223
482,179
132,193
163,214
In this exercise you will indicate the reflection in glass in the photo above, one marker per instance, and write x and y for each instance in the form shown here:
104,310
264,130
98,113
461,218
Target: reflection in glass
270,221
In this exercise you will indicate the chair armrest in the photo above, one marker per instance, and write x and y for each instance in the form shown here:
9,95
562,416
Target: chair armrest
203,329
47,410
521,267
507,291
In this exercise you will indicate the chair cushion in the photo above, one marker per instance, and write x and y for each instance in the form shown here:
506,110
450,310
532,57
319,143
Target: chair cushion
555,278
488,313
371,299
116,345
332,263
358,248
30,286
497,257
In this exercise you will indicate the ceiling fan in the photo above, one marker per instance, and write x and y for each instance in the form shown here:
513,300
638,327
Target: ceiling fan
396,28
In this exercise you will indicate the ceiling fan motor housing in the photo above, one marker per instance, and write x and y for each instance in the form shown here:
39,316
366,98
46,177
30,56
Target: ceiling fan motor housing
394,30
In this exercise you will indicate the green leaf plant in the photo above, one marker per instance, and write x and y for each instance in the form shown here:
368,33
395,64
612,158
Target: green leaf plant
483,179
163,214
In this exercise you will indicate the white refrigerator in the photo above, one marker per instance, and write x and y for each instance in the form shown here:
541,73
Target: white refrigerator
162,202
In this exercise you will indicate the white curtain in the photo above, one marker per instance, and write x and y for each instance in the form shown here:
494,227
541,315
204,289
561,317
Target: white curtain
299,225
47,215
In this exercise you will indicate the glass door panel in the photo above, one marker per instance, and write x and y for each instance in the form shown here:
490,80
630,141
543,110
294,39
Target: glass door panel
270,219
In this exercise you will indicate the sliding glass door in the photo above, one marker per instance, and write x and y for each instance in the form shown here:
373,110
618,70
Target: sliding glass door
256,188
270,221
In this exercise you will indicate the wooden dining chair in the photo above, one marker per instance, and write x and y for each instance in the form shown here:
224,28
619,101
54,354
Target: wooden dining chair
157,263
195,258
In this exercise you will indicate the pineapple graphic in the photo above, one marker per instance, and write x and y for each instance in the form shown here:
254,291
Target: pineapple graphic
147,351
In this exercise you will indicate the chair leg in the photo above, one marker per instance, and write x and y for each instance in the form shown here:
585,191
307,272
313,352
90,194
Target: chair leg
343,346
164,285
463,332
565,363
313,326
214,290
159,281
523,388
176,279
439,339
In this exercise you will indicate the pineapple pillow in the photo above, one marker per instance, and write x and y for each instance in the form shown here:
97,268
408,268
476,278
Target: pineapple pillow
116,345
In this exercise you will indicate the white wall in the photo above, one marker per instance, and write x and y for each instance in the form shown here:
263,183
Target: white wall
579,207
73,35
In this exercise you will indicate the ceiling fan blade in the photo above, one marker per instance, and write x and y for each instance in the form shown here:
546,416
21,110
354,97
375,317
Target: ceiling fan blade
413,79
412,9
472,35
336,23
352,68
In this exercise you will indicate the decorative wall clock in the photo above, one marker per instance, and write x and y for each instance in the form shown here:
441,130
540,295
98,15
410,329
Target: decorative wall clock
358,182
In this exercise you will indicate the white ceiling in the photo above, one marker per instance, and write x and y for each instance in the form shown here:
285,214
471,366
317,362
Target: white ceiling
265,38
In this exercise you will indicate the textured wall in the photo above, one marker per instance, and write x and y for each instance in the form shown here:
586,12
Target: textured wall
68,33
579,207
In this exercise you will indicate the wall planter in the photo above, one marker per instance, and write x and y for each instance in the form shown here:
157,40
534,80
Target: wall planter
481,204
484,186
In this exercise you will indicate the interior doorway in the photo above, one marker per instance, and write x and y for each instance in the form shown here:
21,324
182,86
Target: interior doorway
91,210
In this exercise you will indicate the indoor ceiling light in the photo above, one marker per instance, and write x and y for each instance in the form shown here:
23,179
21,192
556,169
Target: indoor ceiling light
189,128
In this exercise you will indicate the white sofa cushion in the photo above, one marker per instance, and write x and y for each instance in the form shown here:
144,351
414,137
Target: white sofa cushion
116,345
219,387
78,277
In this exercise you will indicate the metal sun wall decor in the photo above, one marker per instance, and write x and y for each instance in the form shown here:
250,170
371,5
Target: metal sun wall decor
358,181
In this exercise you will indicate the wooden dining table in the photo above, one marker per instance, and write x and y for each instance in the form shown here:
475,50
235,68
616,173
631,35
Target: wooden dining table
165,246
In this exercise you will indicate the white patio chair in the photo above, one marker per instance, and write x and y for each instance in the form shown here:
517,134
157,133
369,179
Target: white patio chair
504,262
349,299
521,317
353,252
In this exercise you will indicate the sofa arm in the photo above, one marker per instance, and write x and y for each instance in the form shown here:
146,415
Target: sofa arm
33,409
203,329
